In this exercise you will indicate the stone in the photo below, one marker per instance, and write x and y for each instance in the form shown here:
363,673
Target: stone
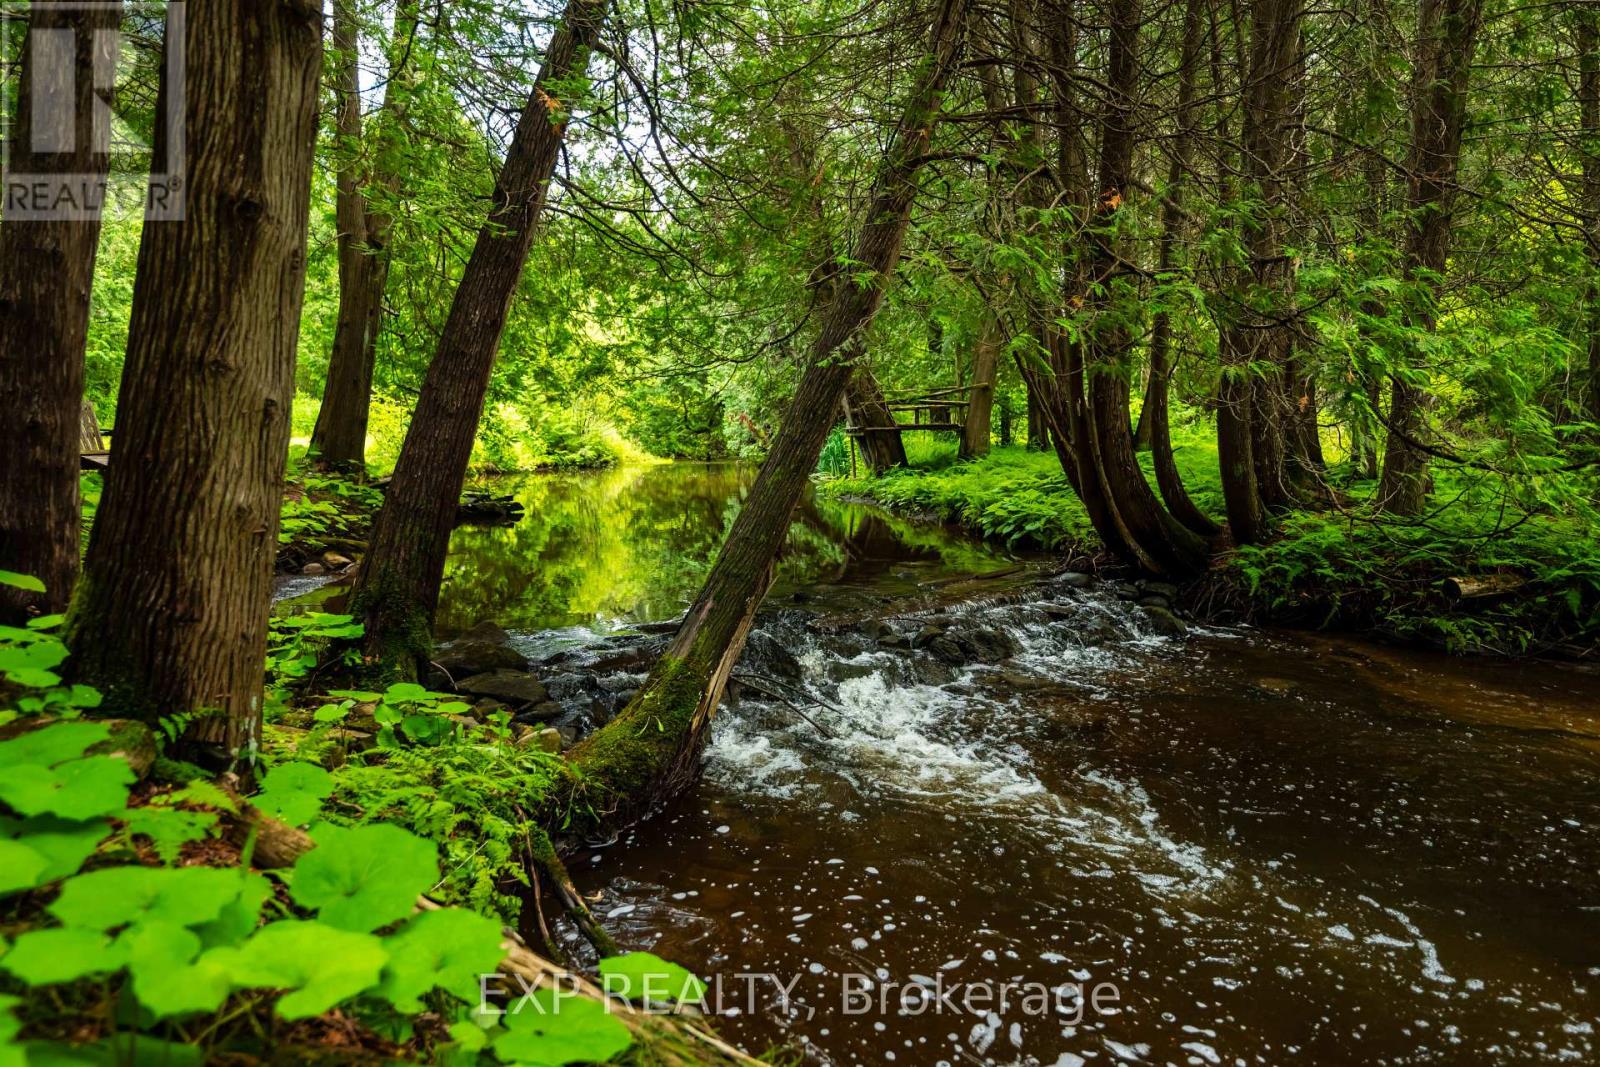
335,561
549,739
1124,590
1165,623
487,631
485,709
988,646
766,655
313,569
875,629
569,735
1075,579
1151,600
516,688
1166,590
896,641
480,650
927,634
543,711
947,649
845,670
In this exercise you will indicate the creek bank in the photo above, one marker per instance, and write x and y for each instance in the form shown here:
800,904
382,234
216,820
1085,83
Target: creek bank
1529,592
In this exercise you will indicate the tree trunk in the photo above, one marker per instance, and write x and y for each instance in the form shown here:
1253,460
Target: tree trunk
865,408
1253,402
171,614
340,437
1447,36
46,270
653,747
1156,415
1589,131
397,589
978,428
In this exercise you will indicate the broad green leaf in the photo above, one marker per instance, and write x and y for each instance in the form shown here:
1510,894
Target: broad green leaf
240,916
364,877
25,582
402,692
166,978
643,976
427,729
447,949
114,896
294,792
21,867
53,744
318,965
77,789
64,843
60,954
550,1028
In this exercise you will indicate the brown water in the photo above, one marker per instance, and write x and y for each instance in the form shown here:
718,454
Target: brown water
1260,849
1275,849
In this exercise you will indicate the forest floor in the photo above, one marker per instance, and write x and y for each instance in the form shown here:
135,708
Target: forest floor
1534,573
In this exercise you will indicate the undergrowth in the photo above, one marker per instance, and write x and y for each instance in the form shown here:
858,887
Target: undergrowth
1344,565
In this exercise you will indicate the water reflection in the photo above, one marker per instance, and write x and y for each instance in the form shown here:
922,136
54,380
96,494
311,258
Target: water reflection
635,544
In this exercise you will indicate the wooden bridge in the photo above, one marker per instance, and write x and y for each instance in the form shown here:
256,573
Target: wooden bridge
936,411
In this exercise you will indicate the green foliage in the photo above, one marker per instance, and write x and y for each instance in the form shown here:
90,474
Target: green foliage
177,944
647,978
550,1028
360,878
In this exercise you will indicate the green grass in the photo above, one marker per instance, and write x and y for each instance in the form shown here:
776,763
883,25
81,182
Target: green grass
1013,495
1344,566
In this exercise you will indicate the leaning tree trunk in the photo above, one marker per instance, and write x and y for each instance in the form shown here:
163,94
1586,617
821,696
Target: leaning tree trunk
978,428
1447,36
340,437
171,613
866,411
653,747
46,270
1156,414
397,589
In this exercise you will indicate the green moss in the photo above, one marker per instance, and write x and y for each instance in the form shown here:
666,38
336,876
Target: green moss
617,767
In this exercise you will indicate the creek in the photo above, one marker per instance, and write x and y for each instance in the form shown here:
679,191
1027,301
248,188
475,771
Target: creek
1231,847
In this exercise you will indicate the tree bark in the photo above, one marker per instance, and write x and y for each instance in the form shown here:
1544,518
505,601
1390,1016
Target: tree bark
652,748
865,408
1156,415
1155,535
978,429
397,590
1252,402
1589,131
171,613
1447,36
340,437
46,271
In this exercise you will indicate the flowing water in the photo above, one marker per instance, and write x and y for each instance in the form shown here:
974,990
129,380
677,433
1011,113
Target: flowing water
1103,846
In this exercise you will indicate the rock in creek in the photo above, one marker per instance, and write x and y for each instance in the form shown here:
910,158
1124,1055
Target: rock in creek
1165,623
513,687
483,649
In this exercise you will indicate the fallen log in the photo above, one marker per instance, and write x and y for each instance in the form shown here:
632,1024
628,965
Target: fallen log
1483,586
